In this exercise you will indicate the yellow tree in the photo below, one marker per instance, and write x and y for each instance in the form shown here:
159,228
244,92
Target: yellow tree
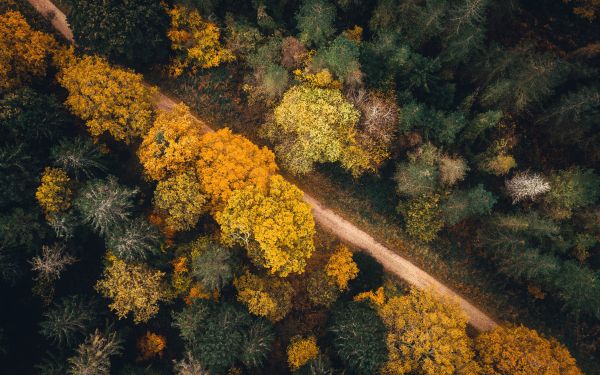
229,162
317,125
54,193
426,336
269,297
341,268
132,288
195,41
180,200
301,350
171,146
23,51
522,351
274,225
109,99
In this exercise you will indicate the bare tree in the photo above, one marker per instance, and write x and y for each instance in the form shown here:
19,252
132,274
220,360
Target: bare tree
526,185
52,262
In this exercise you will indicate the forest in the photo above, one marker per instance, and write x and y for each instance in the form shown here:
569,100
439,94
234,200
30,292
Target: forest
318,187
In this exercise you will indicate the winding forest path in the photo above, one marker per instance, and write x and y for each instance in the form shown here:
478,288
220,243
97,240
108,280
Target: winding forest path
328,219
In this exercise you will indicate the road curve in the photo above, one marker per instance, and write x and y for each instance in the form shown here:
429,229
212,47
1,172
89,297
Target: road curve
328,219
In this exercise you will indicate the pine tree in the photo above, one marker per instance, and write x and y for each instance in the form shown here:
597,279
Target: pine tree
211,263
315,20
68,321
359,337
463,204
134,240
79,157
105,204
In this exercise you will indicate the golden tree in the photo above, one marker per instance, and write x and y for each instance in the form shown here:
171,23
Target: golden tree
54,193
109,99
341,268
229,162
171,146
133,288
269,297
522,351
179,198
195,41
317,125
301,350
24,52
426,336
275,226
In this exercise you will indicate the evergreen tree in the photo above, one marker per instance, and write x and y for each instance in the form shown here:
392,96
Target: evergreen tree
132,32
341,58
134,240
463,204
69,320
212,264
315,20
215,334
79,157
105,204
359,337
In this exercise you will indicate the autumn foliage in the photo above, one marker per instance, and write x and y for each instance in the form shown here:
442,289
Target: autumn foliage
275,226
54,193
301,350
132,288
270,297
228,162
426,336
170,146
24,52
151,345
341,268
195,41
522,351
107,98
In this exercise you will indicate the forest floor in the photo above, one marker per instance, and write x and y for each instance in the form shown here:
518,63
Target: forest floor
324,216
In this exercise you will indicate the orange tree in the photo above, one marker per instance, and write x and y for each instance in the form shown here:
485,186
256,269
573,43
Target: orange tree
426,336
274,225
195,41
109,99
522,351
23,51
228,162
171,146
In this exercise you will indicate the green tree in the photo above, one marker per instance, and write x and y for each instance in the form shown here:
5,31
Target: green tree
105,204
359,337
572,189
315,21
68,321
341,58
463,204
212,263
216,334
134,240
132,32
79,157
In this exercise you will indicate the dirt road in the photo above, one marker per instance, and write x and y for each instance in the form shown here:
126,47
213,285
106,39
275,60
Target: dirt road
328,219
